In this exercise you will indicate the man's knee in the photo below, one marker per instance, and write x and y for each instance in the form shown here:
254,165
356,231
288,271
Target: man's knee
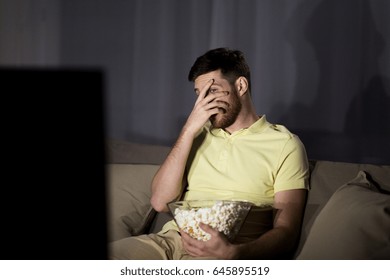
143,247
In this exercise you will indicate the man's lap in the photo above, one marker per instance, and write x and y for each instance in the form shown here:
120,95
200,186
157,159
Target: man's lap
155,246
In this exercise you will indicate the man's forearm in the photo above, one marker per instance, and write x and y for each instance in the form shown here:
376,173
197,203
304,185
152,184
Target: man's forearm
274,244
167,184
280,241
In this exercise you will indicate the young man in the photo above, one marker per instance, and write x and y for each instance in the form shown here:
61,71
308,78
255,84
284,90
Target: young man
226,151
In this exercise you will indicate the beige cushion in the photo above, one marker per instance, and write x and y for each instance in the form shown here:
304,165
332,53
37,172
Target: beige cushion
354,224
326,178
129,191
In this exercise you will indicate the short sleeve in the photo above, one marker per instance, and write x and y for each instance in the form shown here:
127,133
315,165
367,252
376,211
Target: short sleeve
293,167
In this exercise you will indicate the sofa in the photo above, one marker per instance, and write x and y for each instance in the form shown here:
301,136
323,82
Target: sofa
347,213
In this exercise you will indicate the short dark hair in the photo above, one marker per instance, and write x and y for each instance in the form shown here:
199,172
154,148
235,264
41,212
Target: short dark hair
232,64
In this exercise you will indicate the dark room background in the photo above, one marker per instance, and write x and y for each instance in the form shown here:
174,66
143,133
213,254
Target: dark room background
320,67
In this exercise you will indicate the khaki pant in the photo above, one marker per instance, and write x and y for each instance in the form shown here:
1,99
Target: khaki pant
159,246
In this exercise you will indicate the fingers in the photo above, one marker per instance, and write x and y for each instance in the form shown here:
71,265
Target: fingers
206,227
210,105
205,107
203,94
211,101
199,248
187,243
216,107
192,246
214,96
210,230
205,89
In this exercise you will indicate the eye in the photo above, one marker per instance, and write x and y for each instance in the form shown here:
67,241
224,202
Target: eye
212,90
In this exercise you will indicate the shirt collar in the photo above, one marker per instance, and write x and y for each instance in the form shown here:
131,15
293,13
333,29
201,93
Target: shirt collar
256,127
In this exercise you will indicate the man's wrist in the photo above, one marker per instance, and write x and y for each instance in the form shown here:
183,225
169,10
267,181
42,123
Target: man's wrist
234,252
187,132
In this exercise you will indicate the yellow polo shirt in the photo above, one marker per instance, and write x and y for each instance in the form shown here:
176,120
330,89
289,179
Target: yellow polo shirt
251,164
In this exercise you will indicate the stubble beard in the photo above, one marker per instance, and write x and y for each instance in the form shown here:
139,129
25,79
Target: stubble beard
227,117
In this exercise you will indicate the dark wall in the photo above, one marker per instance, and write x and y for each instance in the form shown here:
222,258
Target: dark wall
320,67
349,116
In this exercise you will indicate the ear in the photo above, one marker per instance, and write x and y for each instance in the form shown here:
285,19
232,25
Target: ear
241,85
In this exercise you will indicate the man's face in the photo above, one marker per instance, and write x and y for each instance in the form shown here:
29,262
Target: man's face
225,117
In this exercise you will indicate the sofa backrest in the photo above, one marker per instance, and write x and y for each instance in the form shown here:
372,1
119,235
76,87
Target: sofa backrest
130,168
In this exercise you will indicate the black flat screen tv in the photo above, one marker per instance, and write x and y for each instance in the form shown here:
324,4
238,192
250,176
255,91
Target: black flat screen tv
53,197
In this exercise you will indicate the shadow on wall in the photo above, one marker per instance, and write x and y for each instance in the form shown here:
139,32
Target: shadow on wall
337,49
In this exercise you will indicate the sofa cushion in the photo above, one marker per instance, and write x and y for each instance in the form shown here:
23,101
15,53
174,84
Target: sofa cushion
354,224
129,192
325,178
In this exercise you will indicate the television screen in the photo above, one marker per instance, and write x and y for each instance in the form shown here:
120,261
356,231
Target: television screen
53,203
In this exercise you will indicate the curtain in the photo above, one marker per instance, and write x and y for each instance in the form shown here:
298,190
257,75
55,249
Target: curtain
320,67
